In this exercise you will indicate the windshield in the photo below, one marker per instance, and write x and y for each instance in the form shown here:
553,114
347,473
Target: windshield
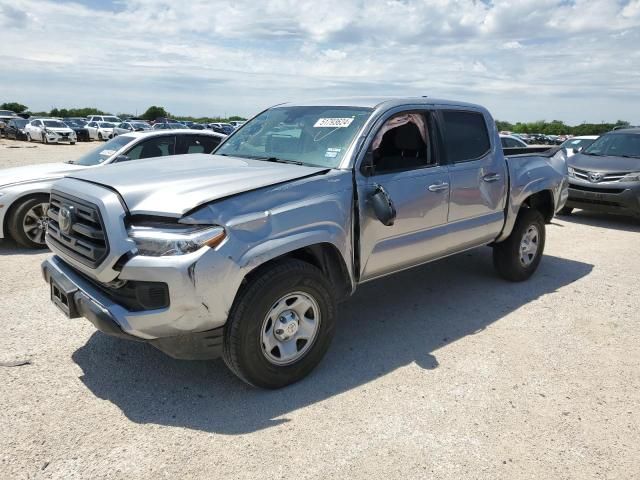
105,125
103,152
20,123
143,126
616,144
54,124
112,119
316,136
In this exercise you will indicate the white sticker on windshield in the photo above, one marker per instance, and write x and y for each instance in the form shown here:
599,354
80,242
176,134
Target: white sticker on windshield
107,152
333,122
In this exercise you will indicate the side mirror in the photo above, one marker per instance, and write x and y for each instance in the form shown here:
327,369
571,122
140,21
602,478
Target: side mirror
383,206
122,158
577,150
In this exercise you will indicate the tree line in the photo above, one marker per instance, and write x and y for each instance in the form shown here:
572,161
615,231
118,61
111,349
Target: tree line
555,127
151,113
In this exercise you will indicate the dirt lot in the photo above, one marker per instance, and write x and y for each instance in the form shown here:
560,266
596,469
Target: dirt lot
441,372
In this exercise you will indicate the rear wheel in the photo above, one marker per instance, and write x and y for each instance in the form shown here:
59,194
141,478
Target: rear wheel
281,324
28,137
28,221
518,257
44,138
566,211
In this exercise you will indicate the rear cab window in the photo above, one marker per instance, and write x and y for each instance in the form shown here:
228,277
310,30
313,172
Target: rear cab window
465,135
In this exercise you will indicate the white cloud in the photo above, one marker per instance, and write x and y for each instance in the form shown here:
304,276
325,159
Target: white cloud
525,59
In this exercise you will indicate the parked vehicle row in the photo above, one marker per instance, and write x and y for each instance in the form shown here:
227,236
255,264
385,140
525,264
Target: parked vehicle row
24,192
245,253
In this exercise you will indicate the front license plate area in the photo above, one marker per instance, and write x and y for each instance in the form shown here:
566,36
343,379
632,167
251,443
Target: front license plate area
63,298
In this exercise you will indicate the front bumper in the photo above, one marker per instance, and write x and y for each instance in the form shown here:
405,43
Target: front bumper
621,199
78,297
56,138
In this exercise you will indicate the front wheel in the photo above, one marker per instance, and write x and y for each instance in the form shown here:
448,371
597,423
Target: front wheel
44,139
280,325
518,257
100,136
28,221
28,137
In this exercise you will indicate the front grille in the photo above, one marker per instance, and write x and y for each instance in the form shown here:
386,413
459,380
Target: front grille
606,177
591,201
596,190
84,238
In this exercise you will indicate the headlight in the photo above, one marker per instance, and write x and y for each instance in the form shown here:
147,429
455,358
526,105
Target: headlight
174,240
631,177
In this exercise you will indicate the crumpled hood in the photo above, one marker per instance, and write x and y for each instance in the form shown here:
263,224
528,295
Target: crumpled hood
33,173
172,186
607,164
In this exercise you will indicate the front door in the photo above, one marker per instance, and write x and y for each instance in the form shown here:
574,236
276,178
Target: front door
407,167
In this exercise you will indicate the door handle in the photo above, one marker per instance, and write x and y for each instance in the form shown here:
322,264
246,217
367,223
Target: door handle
437,187
491,177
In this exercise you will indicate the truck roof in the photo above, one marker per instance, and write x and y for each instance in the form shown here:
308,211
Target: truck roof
375,102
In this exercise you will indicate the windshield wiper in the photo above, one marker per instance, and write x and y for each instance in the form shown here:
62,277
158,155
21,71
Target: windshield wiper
594,154
275,160
630,156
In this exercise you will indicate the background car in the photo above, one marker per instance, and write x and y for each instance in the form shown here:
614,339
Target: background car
577,144
5,116
47,130
169,126
25,190
225,128
130,126
237,123
100,130
15,129
511,141
79,127
104,118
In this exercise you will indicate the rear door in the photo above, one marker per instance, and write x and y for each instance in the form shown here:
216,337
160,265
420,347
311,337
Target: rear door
407,166
478,175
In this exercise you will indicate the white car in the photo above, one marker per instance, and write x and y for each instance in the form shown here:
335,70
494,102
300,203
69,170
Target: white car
575,145
100,130
511,141
132,126
104,118
48,130
24,191
237,123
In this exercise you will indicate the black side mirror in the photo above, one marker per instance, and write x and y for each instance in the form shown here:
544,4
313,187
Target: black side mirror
122,158
383,206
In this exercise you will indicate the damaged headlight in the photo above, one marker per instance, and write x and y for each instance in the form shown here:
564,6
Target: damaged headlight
175,239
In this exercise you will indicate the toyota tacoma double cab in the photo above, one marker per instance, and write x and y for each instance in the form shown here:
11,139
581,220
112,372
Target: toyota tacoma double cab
245,253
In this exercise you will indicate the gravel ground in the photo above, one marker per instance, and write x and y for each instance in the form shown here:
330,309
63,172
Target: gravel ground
441,372
16,154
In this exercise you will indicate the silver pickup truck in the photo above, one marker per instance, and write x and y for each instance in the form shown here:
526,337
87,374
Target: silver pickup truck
246,253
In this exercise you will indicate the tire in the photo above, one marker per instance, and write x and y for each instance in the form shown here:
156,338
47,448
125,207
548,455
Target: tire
268,292
44,139
99,136
508,260
72,143
566,211
28,137
19,224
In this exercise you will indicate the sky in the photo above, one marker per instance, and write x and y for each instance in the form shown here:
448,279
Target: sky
525,60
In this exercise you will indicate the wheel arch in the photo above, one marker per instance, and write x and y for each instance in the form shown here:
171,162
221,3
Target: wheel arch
11,208
325,256
543,202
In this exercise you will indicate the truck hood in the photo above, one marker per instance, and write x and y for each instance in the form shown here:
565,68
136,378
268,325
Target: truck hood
34,173
607,164
172,186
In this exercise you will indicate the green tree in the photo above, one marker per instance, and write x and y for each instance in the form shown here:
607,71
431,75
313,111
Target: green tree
154,112
13,106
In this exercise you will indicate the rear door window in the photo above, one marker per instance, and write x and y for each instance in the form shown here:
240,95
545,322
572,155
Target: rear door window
197,144
153,147
465,135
